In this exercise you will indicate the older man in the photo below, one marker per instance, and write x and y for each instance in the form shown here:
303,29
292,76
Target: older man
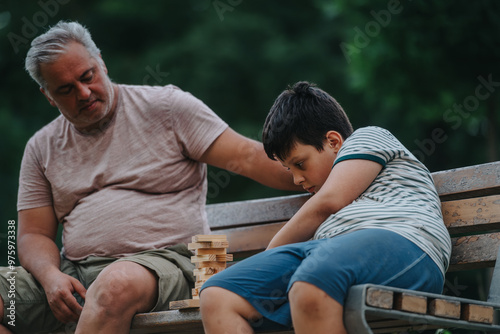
123,170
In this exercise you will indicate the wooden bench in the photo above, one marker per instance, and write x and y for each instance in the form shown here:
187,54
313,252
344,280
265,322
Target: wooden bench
471,208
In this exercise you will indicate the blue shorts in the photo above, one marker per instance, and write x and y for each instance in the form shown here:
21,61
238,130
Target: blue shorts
365,256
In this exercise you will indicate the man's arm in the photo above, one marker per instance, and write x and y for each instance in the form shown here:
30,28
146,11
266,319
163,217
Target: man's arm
39,254
346,182
244,156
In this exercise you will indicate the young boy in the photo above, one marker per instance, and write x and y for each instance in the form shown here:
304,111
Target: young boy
375,217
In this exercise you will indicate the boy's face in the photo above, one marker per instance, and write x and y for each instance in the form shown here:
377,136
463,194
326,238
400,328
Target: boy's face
310,168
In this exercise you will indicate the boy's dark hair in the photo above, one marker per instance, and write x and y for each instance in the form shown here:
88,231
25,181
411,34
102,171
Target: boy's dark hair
302,113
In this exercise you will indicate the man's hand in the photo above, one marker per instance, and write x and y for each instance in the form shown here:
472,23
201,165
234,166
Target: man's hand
59,290
39,254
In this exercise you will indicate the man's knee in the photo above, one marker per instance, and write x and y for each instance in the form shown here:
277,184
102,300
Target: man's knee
124,286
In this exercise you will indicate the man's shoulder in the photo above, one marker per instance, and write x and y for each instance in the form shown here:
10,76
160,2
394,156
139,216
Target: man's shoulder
141,90
54,128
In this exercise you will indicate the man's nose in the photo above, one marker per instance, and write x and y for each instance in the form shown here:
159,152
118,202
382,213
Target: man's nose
83,92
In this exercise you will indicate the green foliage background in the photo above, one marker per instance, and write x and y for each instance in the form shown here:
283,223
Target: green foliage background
403,65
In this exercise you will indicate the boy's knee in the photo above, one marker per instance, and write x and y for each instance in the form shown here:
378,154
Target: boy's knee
210,299
308,298
216,300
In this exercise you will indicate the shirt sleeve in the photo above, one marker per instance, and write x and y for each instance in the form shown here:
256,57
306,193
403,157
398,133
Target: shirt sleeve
371,143
196,126
34,188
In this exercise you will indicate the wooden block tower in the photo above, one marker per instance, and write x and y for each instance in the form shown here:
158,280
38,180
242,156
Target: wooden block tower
210,257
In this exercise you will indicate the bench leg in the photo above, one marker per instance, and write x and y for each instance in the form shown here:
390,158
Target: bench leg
354,311
494,293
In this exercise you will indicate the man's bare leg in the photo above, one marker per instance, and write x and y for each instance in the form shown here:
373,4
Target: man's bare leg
224,312
313,311
119,292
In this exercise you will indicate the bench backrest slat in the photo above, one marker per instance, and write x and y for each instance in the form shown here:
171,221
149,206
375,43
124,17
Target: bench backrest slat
474,251
470,199
251,212
467,182
472,215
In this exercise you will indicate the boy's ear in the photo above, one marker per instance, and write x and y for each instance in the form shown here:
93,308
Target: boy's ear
334,140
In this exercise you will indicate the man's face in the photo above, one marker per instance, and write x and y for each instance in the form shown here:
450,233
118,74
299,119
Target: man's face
310,168
78,85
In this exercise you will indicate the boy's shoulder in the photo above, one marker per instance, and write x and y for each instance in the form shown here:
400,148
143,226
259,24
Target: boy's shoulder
373,130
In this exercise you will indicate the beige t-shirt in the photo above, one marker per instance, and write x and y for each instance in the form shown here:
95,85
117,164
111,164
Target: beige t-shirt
132,186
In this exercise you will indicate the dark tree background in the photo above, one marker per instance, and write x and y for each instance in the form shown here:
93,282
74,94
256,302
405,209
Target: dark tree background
427,71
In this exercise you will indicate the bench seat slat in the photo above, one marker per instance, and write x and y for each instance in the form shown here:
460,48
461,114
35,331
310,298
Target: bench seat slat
175,322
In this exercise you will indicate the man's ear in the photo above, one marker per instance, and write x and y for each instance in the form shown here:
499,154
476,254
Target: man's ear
51,101
334,140
104,68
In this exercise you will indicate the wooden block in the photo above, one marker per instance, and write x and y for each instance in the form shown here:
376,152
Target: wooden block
444,308
195,292
207,271
208,237
225,257
203,277
210,264
379,298
410,303
477,313
186,303
205,251
208,244
212,258
204,258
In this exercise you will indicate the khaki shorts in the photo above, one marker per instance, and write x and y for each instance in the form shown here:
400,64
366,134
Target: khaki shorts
31,313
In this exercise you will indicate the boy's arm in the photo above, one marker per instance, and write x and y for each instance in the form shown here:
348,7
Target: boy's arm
347,180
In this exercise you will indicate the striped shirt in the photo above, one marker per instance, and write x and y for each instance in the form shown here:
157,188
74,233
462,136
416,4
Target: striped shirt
402,198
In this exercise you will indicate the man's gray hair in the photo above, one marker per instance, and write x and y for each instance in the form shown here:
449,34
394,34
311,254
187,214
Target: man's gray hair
47,47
